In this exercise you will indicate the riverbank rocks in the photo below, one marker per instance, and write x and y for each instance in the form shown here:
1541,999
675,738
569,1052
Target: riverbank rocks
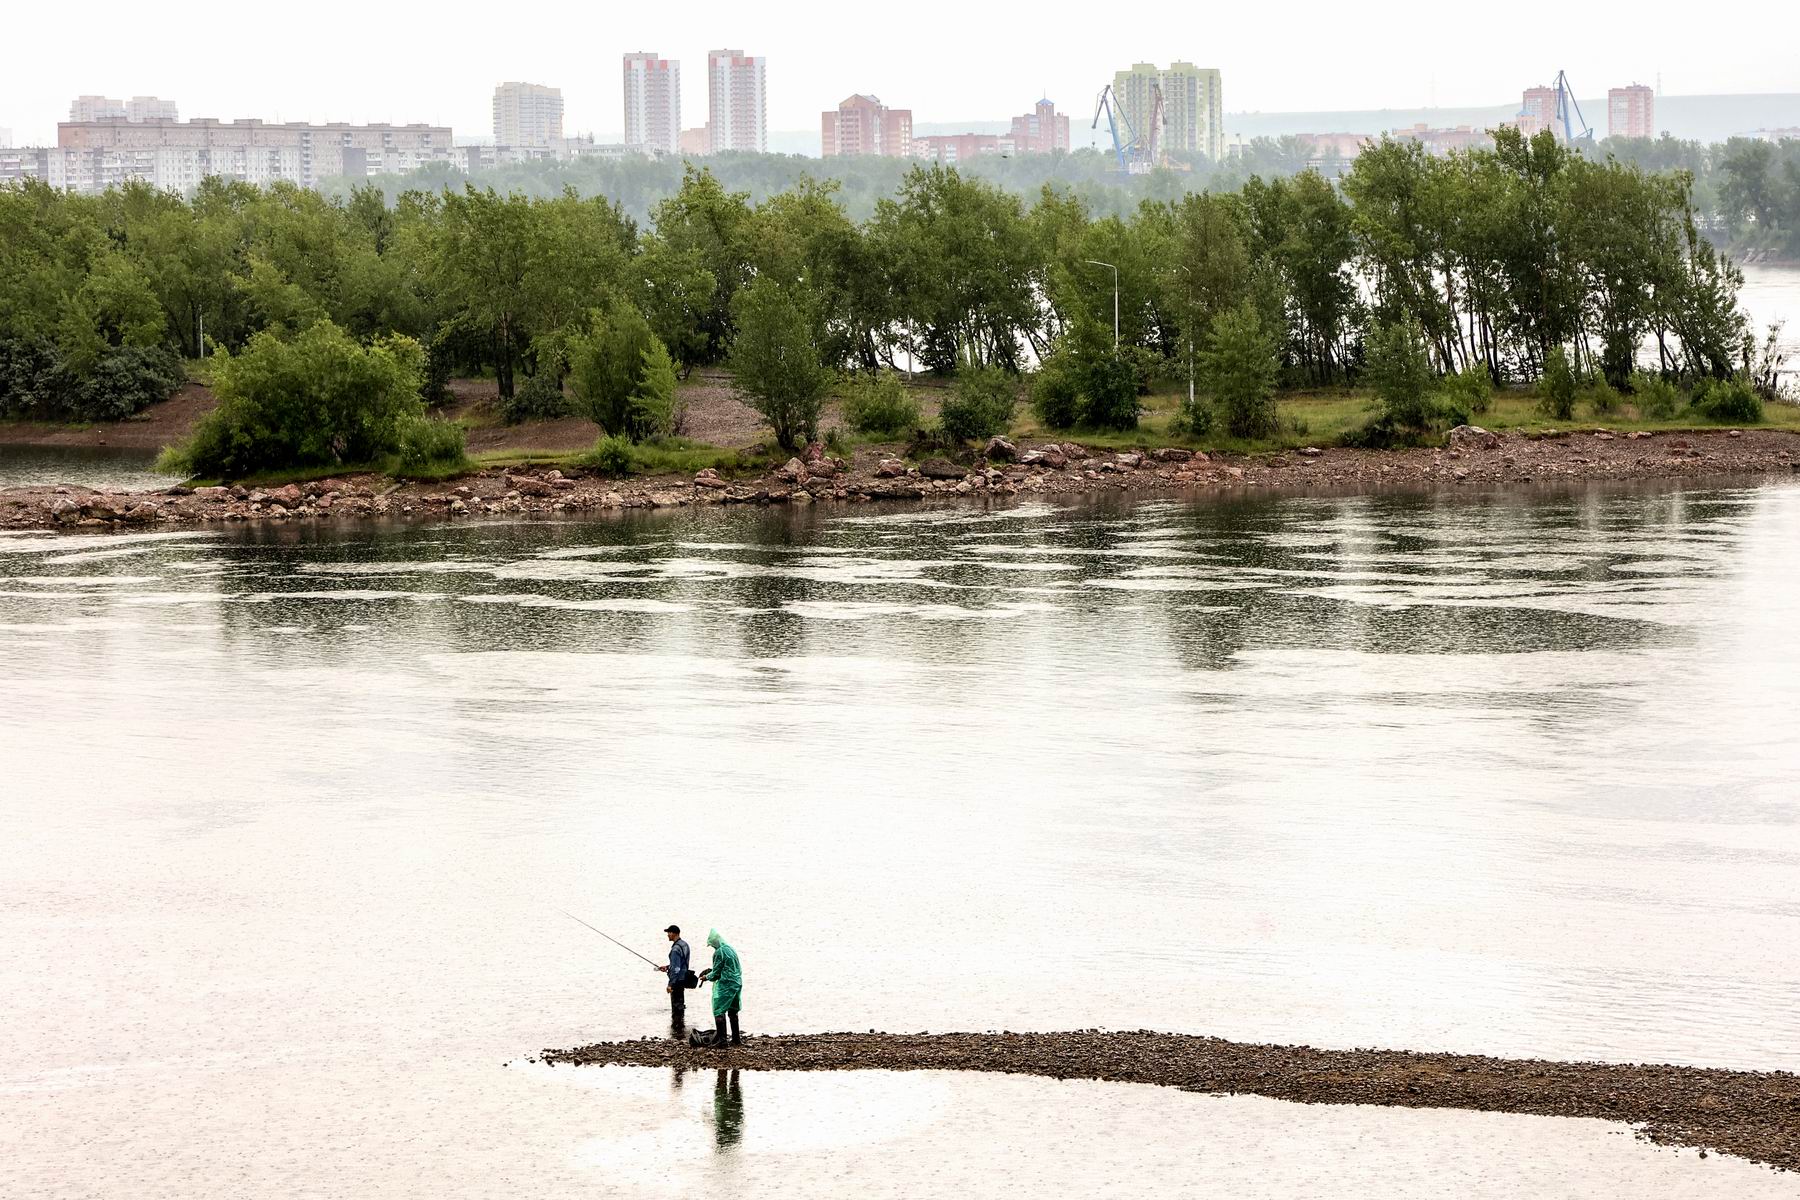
709,477
889,468
1172,454
1000,449
1072,450
1126,458
529,485
1050,455
940,468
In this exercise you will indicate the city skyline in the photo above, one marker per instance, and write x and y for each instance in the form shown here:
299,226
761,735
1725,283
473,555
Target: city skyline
982,73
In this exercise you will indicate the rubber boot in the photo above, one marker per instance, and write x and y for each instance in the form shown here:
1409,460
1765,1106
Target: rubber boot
737,1036
719,1026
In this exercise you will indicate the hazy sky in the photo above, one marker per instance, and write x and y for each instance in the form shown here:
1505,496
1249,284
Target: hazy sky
334,60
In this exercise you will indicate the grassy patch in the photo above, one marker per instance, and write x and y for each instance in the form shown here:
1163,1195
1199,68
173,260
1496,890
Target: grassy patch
1322,417
681,456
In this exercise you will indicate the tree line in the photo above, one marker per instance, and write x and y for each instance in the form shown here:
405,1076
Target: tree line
1491,259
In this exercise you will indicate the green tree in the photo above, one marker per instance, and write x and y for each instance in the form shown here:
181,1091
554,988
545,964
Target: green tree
775,361
610,364
705,227
1399,369
1238,369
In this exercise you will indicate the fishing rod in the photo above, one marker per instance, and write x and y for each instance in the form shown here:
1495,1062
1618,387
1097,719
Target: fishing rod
609,937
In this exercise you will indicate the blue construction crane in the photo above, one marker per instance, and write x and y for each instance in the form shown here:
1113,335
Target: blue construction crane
1113,118
1566,104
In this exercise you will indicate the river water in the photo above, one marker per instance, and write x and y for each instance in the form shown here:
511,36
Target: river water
290,813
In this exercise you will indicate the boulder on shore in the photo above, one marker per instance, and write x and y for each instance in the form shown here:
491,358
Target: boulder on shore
940,468
1472,437
1001,449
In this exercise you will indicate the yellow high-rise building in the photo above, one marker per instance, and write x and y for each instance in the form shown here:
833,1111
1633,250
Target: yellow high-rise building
1193,106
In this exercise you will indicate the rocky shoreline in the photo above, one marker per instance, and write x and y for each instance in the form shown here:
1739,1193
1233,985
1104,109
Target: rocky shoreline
1750,1114
1472,457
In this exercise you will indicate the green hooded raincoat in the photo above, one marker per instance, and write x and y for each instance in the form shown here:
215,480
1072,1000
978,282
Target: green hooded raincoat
727,975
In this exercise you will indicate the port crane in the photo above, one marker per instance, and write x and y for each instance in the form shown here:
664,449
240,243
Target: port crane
1114,118
1568,116
1138,153
1566,104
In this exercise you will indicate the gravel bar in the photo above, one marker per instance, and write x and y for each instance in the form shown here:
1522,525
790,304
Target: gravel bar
1750,1114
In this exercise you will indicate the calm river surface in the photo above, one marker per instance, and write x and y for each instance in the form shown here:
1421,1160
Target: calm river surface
289,814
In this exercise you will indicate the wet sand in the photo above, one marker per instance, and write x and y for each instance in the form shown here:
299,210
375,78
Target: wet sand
1749,1114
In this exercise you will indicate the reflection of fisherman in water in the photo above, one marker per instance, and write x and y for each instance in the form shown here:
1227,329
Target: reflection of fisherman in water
728,1110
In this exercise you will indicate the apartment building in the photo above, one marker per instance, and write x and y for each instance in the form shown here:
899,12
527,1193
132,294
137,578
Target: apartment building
1193,106
652,102
1040,131
737,107
953,148
528,114
177,155
864,125
1631,112
1537,111
138,108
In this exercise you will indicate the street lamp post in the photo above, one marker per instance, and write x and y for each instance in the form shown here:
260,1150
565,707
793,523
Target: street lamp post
1096,262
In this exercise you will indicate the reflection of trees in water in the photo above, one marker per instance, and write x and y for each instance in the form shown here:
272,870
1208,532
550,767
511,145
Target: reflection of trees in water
728,1110
1199,629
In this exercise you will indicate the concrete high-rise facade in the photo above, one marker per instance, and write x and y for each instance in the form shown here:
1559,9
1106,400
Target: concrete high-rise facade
1537,112
1193,106
652,102
1041,130
737,106
864,125
136,109
1631,112
528,114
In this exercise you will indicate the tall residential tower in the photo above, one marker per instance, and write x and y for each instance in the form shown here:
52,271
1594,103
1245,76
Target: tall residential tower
528,114
737,109
1631,112
652,102
1193,105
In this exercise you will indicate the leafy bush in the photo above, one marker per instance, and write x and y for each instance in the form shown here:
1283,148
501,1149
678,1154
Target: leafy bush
321,399
539,398
37,381
1056,390
980,403
1238,369
1110,399
1602,398
426,443
1471,390
611,455
1557,387
878,404
1399,369
1728,401
1657,399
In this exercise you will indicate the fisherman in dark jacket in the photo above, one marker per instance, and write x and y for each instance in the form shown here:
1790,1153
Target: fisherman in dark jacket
677,972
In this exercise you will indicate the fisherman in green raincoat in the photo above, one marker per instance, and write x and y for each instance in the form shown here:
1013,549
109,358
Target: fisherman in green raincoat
727,977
